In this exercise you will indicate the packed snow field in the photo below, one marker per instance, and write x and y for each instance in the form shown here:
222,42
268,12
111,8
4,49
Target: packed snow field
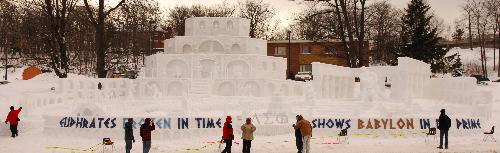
32,137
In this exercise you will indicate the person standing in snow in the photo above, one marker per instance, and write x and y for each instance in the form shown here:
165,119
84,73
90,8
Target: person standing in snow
248,128
227,135
146,129
444,124
129,135
13,119
298,136
306,132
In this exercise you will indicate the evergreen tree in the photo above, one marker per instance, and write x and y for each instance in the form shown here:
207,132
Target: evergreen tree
419,37
456,67
458,34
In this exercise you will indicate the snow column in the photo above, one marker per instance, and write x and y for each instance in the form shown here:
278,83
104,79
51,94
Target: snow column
332,82
410,79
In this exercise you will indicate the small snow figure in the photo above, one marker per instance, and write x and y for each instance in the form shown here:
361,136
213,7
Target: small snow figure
227,135
13,119
444,124
99,86
129,135
247,135
306,131
146,129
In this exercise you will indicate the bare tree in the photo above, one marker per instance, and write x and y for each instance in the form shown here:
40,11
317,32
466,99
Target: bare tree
481,19
315,23
8,22
493,9
468,10
131,34
259,14
384,28
99,27
56,13
340,19
351,19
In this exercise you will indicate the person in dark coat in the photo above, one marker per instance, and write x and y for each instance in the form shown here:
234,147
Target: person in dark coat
298,136
227,135
444,124
99,86
13,119
129,135
146,129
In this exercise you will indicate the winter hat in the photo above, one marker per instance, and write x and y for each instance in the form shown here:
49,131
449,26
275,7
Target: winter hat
228,118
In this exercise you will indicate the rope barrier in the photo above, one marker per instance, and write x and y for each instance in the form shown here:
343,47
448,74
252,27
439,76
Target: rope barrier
91,149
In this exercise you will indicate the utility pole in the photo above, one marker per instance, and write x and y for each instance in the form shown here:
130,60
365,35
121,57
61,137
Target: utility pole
6,61
289,73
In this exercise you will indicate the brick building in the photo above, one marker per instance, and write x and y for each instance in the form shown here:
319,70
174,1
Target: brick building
159,36
304,52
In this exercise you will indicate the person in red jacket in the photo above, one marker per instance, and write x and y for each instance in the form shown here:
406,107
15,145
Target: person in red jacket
13,119
227,135
146,129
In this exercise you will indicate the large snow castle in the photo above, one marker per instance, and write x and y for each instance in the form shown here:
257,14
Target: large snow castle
217,57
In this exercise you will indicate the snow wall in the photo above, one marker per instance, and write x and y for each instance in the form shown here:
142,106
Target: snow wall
188,127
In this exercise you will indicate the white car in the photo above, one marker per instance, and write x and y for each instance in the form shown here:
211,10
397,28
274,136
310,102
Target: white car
303,76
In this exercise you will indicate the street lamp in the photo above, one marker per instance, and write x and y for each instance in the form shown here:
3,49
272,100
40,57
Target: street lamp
289,74
6,62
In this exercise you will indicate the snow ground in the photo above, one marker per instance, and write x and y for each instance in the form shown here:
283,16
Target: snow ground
473,56
32,139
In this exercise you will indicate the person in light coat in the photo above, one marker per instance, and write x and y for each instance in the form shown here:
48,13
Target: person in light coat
248,128
306,131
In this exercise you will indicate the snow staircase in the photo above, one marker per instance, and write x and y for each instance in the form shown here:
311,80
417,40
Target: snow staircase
199,87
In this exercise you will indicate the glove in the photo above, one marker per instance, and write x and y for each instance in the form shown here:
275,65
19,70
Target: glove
5,122
133,140
293,125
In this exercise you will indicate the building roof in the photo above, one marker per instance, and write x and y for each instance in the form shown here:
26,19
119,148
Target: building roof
301,41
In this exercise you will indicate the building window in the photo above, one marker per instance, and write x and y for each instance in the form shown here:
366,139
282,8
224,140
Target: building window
305,68
280,51
330,50
305,50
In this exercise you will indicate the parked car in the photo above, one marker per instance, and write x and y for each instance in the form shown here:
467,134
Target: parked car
4,82
481,80
303,76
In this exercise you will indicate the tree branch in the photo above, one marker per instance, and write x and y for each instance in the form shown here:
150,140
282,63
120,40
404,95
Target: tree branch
90,13
114,8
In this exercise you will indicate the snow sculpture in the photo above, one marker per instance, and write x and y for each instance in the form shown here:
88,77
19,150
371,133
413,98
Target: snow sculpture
331,81
410,79
216,57
370,86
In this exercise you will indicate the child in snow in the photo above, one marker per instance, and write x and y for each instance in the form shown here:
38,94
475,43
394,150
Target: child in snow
306,132
248,128
146,129
227,135
13,118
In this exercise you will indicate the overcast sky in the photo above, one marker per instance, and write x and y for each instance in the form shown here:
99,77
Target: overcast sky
448,10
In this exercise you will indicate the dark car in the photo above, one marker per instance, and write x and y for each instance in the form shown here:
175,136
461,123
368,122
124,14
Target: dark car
481,80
